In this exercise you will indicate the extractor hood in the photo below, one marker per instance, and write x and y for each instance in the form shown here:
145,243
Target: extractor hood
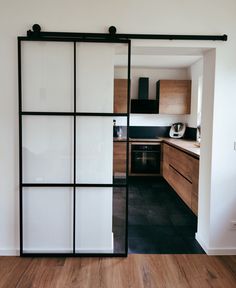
143,104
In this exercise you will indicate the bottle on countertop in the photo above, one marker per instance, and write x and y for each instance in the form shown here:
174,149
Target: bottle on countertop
115,130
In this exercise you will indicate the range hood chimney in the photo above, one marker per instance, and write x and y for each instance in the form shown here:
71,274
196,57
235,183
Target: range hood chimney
143,104
143,88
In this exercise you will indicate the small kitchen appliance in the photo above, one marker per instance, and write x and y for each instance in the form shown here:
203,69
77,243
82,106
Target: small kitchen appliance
177,130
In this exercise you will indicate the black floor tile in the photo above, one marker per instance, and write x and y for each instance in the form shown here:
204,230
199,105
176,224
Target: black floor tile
142,245
159,221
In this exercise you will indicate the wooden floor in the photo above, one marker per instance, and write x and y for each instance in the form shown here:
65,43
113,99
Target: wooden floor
135,271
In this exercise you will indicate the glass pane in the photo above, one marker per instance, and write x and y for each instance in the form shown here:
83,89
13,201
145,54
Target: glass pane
102,231
95,77
47,149
47,220
47,76
121,78
94,153
119,149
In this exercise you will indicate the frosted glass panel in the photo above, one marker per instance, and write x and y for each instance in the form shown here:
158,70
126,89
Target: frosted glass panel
47,149
95,77
47,220
94,220
47,76
94,153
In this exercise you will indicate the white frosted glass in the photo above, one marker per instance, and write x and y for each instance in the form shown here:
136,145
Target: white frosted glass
47,220
47,76
94,220
95,77
47,149
94,152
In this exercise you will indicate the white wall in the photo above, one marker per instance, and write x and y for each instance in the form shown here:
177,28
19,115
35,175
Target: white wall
196,75
154,74
217,190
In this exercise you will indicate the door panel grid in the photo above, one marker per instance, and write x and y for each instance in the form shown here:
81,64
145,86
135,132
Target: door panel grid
42,110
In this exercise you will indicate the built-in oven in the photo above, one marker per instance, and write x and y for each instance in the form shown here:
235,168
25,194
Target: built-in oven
145,158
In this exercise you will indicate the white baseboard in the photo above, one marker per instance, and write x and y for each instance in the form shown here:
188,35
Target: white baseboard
8,252
215,251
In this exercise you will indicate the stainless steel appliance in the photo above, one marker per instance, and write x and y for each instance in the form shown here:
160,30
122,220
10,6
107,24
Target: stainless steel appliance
145,158
177,130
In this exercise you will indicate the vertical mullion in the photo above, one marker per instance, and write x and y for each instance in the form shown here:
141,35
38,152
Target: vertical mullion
20,147
127,149
74,156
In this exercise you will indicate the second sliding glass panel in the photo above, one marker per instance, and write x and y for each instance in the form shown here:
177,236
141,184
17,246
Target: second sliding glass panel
98,66
100,157
94,150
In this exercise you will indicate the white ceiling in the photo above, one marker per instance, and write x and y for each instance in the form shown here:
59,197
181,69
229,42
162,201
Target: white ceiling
159,57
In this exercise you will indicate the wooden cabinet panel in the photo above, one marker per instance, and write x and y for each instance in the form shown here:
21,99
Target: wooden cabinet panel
181,161
195,178
119,158
181,185
181,171
165,161
174,96
120,95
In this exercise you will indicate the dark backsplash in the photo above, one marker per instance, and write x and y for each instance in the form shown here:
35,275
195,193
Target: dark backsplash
148,131
190,133
156,131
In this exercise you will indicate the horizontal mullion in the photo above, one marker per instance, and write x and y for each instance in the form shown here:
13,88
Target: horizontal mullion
71,185
77,254
100,114
40,113
47,185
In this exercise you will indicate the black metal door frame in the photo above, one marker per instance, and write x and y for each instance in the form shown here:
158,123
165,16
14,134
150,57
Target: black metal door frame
73,114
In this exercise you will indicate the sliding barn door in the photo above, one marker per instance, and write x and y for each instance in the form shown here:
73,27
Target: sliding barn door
71,200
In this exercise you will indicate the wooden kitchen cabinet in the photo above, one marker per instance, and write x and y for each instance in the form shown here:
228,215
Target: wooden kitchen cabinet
120,95
119,159
181,171
174,96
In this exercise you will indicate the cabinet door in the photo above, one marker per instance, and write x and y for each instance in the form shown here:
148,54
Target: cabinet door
165,161
195,178
120,95
181,171
174,96
119,159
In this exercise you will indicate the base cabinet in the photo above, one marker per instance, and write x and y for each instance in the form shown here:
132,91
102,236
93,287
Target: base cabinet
119,159
120,95
181,171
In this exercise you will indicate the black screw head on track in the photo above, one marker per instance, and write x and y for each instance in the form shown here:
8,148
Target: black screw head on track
36,28
112,30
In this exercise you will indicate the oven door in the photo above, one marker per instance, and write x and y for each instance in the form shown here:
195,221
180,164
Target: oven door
145,158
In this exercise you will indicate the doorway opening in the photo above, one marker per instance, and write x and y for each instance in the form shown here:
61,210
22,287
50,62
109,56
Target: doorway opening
161,220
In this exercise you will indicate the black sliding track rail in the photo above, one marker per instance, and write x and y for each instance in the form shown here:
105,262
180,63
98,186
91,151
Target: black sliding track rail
73,114
36,33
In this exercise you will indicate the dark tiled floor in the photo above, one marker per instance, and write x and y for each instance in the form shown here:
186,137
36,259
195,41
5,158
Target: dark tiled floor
159,222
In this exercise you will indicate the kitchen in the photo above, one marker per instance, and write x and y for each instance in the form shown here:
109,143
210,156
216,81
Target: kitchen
164,149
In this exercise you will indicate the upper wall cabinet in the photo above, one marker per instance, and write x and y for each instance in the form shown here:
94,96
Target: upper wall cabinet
174,96
120,95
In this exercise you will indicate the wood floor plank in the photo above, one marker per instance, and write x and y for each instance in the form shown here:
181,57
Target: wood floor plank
135,271
12,269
